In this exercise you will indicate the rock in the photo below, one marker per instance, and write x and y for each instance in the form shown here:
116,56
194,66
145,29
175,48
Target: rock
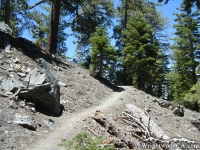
178,111
25,121
62,84
10,85
16,60
196,123
49,123
13,105
21,74
155,100
5,28
42,89
56,68
35,77
163,103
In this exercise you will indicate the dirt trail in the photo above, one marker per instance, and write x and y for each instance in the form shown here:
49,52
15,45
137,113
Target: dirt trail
68,126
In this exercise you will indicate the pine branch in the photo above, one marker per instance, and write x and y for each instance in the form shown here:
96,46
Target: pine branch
38,3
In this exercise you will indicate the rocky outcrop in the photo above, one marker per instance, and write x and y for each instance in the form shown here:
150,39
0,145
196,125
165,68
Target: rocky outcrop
5,30
42,89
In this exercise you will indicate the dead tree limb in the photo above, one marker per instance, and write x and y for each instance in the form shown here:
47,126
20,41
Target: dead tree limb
135,112
114,129
16,93
170,131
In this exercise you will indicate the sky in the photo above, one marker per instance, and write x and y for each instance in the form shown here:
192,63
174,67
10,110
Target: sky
167,10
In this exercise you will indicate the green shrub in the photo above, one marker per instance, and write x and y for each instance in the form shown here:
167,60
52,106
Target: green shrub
84,141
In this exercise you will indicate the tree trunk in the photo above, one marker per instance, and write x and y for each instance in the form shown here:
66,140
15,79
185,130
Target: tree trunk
7,12
52,43
125,22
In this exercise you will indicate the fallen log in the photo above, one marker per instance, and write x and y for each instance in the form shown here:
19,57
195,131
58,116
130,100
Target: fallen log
149,125
114,129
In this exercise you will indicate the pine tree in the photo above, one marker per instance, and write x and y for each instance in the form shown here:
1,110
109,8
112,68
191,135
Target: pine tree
192,98
94,13
15,15
40,29
187,3
141,55
152,16
185,50
102,53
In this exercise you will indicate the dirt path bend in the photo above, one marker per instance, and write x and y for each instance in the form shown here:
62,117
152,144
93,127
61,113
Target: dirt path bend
68,126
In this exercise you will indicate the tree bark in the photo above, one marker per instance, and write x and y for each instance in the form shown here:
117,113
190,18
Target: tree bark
52,43
7,12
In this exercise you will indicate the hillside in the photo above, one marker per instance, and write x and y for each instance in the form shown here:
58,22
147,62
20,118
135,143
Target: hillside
81,95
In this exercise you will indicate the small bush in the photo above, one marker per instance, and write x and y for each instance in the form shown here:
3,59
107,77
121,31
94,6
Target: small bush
84,141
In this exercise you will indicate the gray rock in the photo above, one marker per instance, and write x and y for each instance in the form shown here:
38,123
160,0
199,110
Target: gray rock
196,123
7,85
21,74
155,100
25,121
35,77
163,103
5,28
13,105
10,85
62,84
42,89
178,111
49,123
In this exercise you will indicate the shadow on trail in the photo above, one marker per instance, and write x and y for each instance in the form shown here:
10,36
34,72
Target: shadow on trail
108,84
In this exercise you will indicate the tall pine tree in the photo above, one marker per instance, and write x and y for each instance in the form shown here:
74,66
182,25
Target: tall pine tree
185,50
102,53
148,9
142,53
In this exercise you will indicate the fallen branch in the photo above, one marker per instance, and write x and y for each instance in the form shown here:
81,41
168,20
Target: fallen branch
170,131
133,119
114,129
147,126
151,128
104,145
16,93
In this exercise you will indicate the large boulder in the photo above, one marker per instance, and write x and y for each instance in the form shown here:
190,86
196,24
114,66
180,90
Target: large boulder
42,89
